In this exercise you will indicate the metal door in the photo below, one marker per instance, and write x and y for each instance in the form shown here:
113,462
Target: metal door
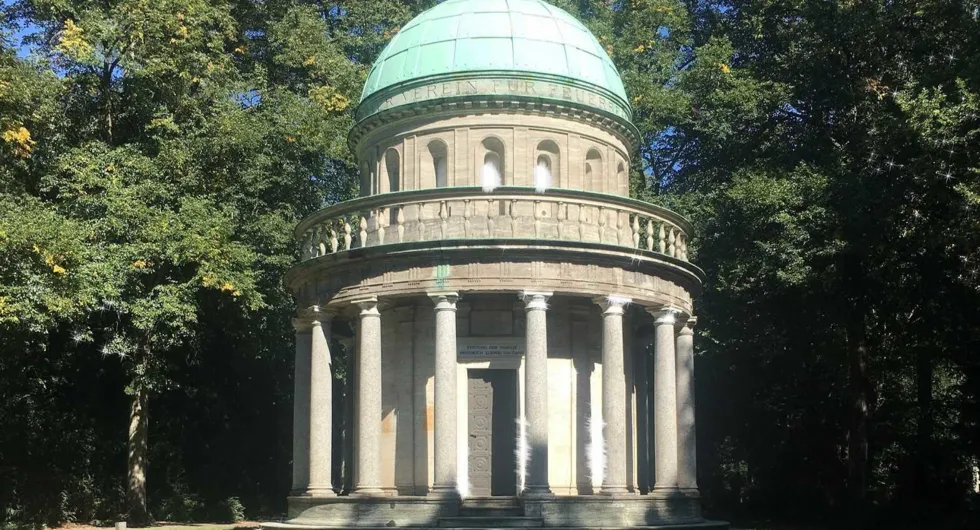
480,433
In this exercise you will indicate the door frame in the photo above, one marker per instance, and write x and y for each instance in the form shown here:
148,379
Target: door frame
463,366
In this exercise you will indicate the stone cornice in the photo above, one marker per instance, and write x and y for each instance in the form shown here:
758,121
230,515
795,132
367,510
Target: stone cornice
413,269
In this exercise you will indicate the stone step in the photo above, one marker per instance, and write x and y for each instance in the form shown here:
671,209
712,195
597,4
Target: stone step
491,502
490,522
515,511
491,507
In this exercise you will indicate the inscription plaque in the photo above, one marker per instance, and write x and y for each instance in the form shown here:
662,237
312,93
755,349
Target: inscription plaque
489,347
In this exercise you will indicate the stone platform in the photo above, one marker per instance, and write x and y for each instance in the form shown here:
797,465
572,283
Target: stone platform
566,512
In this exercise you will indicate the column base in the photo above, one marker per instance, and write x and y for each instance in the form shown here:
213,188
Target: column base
537,492
444,492
372,491
615,491
672,491
317,491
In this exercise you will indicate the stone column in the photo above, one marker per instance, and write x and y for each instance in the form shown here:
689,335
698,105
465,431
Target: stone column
444,437
687,471
321,408
536,392
301,407
665,400
613,395
368,469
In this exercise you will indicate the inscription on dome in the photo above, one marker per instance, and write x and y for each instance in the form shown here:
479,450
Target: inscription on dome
495,86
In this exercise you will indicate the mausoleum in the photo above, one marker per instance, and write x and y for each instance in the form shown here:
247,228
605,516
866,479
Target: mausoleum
521,330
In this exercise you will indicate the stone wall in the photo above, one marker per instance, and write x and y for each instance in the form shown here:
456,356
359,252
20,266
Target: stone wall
406,155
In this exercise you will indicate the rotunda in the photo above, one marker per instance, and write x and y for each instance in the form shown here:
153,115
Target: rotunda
520,329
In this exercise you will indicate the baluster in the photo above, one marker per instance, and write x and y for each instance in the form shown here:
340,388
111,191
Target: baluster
513,218
602,223
444,215
363,232
619,229
662,238
490,216
466,218
333,241
400,219
649,234
321,241
583,216
636,231
673,243
347,238
562,217
382,220
421,223
683,238
306,246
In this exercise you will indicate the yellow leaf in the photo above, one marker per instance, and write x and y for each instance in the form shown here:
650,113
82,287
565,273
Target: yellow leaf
725,68
639,49
72,42
21,140
309,60
58,269
228,287
139,264
240,49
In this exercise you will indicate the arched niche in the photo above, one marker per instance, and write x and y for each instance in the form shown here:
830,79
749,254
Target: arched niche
548,154
435,166
391,166
492,149
593,170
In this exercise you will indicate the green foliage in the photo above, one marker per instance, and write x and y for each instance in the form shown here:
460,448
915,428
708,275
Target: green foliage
155,157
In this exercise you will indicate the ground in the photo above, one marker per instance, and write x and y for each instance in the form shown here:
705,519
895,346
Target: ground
243,525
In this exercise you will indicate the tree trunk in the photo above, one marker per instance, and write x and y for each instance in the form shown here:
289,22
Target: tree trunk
860,385
926,424
138,514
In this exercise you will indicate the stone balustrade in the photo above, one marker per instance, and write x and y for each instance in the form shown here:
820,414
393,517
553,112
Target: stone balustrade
469,213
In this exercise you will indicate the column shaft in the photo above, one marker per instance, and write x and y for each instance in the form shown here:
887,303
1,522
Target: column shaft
665,401
536,392
368,470
301,409
321,409
687,475
613,396
444,481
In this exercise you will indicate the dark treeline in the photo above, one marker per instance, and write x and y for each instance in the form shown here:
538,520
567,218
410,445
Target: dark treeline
155,156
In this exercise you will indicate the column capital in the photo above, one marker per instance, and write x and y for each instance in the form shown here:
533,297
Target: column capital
444,300
535,300
687,326
613,304
665,315
369,306
313,315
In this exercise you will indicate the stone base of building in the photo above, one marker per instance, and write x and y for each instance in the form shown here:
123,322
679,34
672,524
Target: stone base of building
675,510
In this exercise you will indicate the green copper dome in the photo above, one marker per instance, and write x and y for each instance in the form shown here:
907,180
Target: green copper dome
496,39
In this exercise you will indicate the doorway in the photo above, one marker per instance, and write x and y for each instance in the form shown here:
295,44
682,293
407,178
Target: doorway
492,429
